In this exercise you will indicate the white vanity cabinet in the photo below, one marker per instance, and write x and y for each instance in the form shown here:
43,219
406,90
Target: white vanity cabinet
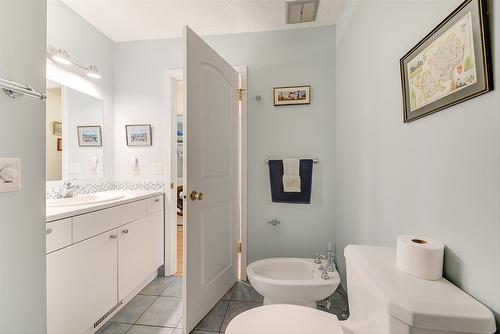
58,235
107,256
81,283
140,252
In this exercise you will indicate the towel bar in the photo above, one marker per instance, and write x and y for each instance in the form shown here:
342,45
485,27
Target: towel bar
315,161
14,89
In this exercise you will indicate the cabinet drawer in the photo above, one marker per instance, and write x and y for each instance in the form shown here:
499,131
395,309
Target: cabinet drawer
58,234
88,225
155,204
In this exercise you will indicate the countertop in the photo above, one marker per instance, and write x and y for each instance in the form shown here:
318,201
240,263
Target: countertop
56,213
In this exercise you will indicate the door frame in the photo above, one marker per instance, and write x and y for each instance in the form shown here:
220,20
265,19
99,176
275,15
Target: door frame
171,78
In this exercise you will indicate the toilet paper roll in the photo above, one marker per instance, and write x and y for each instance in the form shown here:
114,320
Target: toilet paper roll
419,256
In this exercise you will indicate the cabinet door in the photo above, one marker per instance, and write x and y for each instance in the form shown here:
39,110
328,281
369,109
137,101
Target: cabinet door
81,283
139,245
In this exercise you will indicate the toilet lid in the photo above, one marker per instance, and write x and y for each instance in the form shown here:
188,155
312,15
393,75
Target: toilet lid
284,319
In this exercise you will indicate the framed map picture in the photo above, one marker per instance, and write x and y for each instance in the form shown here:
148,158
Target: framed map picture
450,65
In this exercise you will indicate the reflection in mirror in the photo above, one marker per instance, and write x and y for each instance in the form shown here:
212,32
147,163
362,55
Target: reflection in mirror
74,127
53,135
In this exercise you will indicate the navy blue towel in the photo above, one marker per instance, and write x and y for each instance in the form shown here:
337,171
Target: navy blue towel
276,179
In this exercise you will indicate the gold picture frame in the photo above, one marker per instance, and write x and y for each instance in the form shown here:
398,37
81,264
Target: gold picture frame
292,95
57,128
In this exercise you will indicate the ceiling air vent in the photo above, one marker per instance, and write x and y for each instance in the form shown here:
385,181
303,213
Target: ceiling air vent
301,11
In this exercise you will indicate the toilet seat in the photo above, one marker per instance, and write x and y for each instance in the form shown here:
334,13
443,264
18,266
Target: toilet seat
284,319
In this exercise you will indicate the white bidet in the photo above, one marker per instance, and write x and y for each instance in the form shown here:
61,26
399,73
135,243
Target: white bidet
291,281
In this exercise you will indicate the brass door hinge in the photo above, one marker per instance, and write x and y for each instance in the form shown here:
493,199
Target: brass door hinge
239,93
239,247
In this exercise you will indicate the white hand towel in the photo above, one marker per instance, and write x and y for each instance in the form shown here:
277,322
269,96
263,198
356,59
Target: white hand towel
291,176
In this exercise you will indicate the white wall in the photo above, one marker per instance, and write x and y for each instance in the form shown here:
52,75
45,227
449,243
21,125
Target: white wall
438,176
277,58
22,134
87,45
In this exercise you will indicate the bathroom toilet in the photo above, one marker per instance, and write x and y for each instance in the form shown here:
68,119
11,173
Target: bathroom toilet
382,299
284,319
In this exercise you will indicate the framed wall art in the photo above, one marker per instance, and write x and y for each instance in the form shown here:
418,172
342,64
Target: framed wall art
292,95
450,65
57,128
89,136
139,135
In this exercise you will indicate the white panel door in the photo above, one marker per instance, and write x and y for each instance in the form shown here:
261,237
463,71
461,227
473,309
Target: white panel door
210,167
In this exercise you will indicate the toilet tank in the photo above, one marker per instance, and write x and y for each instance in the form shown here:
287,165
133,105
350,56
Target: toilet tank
383,299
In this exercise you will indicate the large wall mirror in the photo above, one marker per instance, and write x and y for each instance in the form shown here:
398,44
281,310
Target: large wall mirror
74,144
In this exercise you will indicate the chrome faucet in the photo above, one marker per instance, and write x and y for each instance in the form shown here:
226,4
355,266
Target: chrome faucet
329,256
320,256
68,188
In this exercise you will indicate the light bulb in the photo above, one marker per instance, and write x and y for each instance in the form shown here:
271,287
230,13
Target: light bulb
93,72
61,56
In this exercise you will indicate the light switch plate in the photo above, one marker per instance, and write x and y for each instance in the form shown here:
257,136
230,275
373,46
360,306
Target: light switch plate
75,168
10,174
156,168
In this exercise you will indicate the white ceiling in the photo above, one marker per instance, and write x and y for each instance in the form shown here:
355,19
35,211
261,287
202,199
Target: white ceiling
126,20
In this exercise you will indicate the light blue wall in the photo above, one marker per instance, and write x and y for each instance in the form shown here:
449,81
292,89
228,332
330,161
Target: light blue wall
22,134
438,176
291,57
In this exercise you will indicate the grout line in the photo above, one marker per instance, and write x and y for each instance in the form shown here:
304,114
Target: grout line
245,301
154,326
225,314
135,322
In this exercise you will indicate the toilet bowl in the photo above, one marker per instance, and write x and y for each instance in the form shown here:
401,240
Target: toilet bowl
299,320
382,299
291,281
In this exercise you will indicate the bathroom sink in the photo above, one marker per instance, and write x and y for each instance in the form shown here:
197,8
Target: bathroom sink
84,199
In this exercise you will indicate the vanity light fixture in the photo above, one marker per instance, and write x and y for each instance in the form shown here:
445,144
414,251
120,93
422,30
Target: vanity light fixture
61,56
93,72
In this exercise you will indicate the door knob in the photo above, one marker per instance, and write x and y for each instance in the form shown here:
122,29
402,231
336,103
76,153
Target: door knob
182,195
196,196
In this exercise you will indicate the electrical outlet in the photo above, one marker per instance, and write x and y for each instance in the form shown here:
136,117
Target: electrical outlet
10,174
75,168
156,168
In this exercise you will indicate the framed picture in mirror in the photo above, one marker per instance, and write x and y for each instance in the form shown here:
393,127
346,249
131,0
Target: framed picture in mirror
57,128
89,136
